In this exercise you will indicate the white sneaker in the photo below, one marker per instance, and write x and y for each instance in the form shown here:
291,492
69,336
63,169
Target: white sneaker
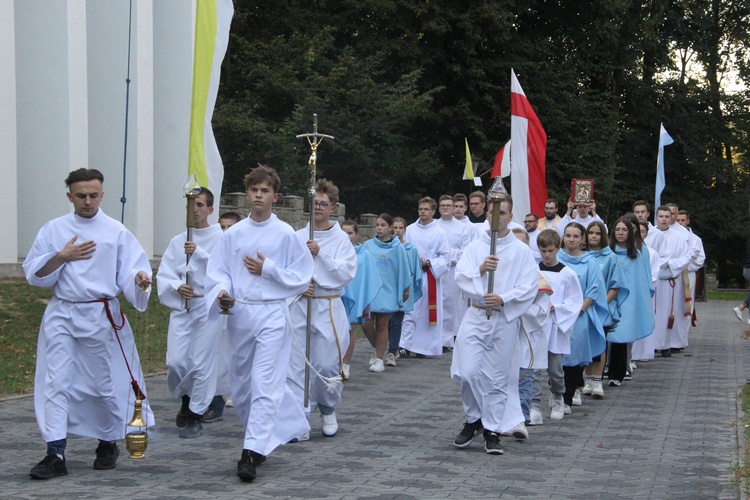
535,417
377,366
330,425
346,368
519,432
567,410
577,398
633,366
229,403
598,391
390,359
373,357
738,313
557,412
588,386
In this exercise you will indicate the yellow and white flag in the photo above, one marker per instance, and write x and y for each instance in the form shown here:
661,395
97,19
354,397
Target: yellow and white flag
212,21
469,167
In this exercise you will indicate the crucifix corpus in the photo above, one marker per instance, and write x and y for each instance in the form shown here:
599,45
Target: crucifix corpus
314,139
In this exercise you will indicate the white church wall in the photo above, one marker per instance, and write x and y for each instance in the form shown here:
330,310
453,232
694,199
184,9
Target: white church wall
8,178
107,28
173,74
49,86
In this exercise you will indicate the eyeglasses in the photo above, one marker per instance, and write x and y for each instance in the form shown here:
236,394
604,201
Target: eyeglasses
322,205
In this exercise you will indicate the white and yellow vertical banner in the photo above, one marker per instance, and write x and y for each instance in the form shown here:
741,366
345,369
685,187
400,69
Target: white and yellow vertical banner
212,21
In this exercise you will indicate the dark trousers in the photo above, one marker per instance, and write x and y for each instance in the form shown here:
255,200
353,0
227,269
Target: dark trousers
394,331
573,380
618,361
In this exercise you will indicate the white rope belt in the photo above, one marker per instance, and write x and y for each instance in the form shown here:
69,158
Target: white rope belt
259,302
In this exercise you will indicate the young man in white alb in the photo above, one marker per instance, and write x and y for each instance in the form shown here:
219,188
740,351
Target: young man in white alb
421,332
82,384
192,339
482,358
260,263
335,266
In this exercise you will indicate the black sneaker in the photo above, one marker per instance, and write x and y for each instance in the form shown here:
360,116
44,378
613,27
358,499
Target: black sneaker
193,428
403,353
184,414
212,416
51,466
247,464
467,435
215,410
106,456
492,443
181,419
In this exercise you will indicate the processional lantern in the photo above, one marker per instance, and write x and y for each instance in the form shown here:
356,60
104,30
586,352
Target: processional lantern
496,195
191,190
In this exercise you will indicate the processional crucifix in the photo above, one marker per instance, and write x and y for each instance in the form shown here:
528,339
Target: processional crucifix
314,139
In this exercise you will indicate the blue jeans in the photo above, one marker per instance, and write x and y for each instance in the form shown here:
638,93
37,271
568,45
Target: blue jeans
524,391
57,446
326,410
394,331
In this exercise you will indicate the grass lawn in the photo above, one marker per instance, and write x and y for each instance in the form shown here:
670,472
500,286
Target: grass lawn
21,310
727,295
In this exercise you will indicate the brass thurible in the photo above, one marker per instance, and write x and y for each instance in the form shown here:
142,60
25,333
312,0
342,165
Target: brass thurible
137,441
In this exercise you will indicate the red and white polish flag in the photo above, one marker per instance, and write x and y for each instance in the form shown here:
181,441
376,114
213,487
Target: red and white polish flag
528,154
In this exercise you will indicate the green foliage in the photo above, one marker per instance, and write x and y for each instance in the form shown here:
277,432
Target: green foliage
21,309
401,83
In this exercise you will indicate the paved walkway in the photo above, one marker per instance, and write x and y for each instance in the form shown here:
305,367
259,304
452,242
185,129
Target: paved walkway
670,433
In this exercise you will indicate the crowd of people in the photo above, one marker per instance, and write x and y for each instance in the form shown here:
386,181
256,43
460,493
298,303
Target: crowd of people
269,315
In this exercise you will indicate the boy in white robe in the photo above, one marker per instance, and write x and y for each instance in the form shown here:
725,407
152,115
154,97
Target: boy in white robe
421,331
82,384
260,263
335,266
675,256
566,302
459,235
531,353
683,218
192,340
483,355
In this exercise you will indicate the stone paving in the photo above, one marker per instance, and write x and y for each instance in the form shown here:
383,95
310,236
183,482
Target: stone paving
670,433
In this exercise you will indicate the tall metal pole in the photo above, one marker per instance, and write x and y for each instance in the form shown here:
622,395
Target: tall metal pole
314,139
496,196
495,203
192,189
